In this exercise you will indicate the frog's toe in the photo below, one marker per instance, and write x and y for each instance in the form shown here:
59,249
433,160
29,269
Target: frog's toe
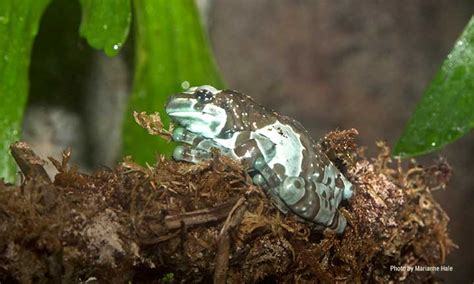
180,134
266,172
339,223
178,153
185,153
259,163
347,192
258,179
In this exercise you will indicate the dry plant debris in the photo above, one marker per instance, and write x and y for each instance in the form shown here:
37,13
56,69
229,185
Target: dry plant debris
153,124
180,222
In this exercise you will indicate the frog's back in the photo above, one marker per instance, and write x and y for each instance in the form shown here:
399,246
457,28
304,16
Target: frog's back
312,152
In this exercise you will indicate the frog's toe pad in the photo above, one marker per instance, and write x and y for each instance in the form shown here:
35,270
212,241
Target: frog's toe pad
258,179
182,135
178,134
260,163
266,172
347,192
339,223
178,153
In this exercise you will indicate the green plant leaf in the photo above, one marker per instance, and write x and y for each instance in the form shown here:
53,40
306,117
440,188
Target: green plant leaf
446,110
171,53
105,24
19,21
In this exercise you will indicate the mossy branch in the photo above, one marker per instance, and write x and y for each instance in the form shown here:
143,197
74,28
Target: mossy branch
207,221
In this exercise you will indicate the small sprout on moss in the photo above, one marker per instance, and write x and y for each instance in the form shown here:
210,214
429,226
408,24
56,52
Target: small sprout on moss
168,278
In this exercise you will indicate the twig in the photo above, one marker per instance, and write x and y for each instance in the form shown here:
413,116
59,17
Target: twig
194,218
153,124
188,219
30,164
223,244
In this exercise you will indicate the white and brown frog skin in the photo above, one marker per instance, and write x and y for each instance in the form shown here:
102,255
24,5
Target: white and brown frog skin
276,150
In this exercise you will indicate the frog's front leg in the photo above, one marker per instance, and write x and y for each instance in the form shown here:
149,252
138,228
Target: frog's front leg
255,153
197,148
311,204
190,154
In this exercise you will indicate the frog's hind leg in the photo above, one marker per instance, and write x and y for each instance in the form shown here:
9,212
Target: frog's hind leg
312,203
190,154
253,153
270,181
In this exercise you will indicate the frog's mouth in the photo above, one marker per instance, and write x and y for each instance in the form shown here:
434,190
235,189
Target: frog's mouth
207,120
183,109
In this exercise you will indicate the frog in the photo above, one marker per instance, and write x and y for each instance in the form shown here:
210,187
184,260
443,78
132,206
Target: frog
276,150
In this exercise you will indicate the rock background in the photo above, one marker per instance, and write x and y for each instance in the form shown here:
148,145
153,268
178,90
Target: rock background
329,64
344,64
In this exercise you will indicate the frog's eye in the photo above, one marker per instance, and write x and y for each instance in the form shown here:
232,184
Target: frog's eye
204,96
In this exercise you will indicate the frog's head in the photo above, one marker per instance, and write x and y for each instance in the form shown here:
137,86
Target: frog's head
216,113
198,110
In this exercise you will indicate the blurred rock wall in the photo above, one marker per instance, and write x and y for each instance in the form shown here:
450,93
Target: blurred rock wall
344,64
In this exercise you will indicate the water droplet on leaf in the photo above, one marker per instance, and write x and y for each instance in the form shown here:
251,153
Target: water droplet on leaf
185,85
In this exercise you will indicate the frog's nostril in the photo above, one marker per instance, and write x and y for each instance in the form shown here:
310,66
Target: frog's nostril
198,107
